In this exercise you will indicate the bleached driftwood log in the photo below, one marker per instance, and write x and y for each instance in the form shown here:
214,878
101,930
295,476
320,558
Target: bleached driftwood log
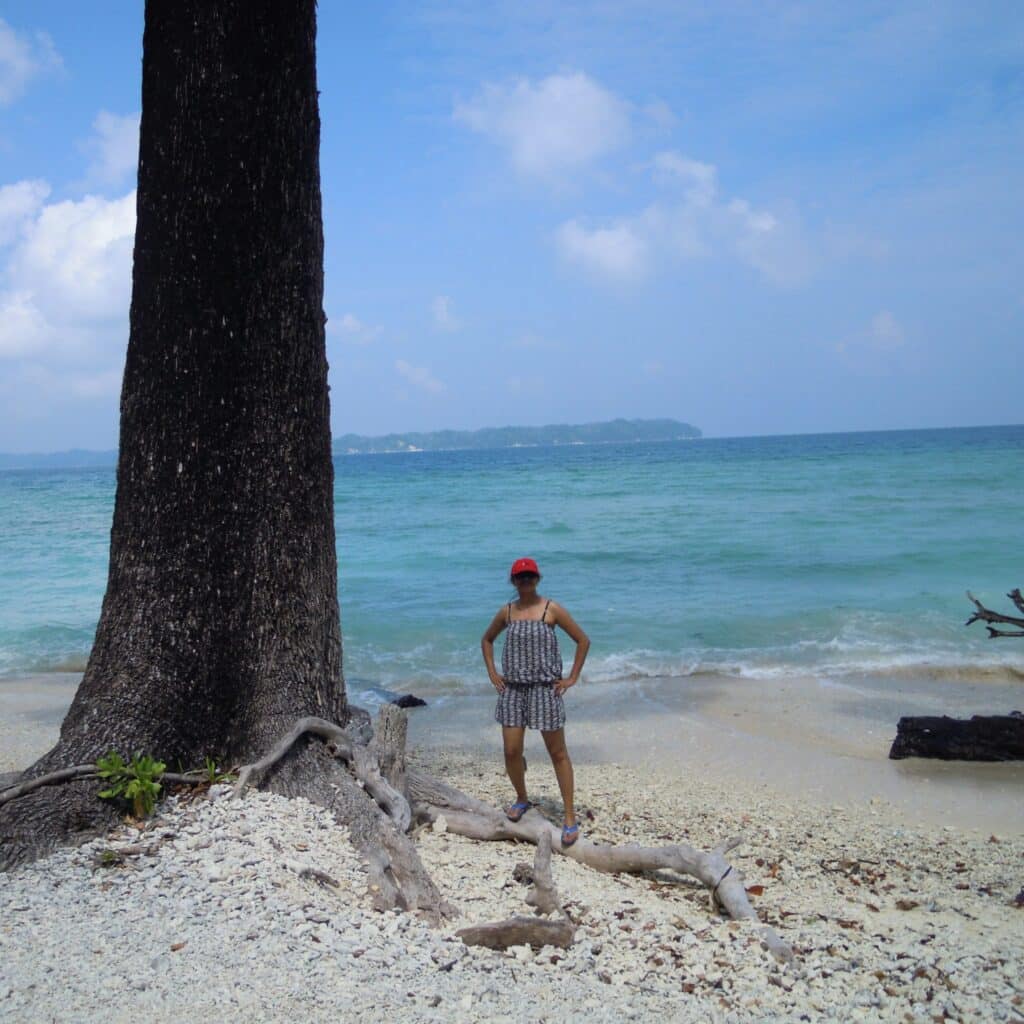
467,816
543,895
986,615
389,739
528,931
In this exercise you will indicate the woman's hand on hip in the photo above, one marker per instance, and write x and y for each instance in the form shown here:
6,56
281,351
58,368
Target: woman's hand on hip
563,684
498,682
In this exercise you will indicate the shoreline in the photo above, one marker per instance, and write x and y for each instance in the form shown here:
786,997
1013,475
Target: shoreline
808,743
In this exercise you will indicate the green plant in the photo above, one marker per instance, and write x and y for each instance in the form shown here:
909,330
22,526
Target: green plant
135,782
108,859
213,775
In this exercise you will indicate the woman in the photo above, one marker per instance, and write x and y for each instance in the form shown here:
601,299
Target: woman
530,685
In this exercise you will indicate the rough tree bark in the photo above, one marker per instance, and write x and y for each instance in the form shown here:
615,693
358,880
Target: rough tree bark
220,623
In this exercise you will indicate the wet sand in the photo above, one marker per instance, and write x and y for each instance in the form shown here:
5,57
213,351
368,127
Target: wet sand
802,740
808,742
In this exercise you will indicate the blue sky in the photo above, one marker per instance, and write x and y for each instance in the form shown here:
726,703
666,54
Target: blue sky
757,217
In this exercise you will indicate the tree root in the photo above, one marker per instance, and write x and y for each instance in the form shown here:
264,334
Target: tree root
378,827
475,819
362,758
84,771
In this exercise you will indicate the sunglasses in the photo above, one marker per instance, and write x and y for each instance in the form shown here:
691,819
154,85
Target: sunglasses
525,577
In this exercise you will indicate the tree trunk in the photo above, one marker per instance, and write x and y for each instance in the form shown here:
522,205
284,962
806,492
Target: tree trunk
981,738
220,622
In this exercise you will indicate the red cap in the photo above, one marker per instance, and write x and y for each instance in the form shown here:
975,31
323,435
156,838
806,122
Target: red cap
523,565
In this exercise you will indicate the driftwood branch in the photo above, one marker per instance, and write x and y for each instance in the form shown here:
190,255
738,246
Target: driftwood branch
528,931
983,614
389,739
467,816
543,895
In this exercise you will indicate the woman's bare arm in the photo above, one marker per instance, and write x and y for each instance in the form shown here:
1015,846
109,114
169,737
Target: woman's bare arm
487,647
561,617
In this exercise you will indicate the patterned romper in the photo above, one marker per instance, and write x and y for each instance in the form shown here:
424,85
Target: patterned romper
531,664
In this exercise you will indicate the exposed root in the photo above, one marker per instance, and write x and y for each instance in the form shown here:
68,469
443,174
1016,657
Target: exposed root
78,771
362,758
378,829
467,816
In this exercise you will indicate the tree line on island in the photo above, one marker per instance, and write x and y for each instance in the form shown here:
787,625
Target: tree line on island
617,431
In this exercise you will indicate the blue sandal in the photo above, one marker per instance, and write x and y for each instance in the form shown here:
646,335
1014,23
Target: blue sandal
515,811
570,833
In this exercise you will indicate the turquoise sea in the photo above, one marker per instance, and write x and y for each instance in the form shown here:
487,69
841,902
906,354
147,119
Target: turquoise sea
831,555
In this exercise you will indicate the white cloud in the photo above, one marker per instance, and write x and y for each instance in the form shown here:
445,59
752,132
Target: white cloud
22,58
420,377
351,329
114,149
18,204
549,127
444,314
23,328
617,251
696,222
66,283
699,180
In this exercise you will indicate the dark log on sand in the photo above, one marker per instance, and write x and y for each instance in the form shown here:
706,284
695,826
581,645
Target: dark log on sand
981,738
519,931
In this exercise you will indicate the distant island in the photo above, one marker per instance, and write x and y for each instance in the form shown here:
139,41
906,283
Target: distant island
612,432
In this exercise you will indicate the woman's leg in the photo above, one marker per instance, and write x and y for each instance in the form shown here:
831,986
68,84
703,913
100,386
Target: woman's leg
555,742
512,737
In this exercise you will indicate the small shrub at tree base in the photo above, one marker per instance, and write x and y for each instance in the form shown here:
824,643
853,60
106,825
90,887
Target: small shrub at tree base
213,775
136,782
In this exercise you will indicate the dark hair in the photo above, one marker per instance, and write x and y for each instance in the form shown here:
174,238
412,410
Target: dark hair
535,575
515,597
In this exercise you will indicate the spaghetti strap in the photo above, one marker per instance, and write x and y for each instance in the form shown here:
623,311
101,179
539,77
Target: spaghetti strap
508,614
543,614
